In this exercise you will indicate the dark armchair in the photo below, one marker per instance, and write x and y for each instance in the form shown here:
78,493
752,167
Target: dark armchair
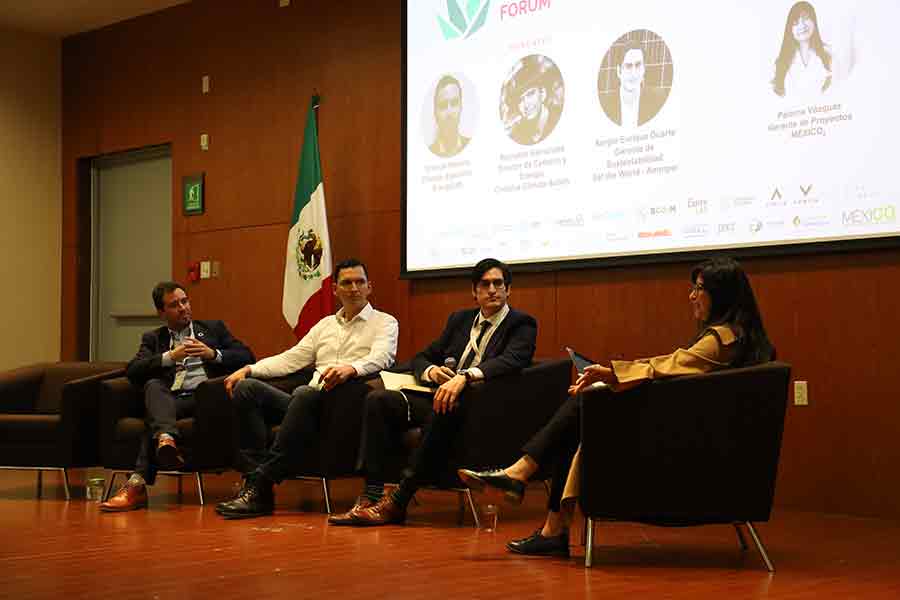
693,450
49,416
206,439
335,452
502,415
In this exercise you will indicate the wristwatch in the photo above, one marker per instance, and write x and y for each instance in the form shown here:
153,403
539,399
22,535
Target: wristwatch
465,373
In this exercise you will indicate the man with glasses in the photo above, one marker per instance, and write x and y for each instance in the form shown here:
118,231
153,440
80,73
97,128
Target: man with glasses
485,342
634,102
171,362
345,347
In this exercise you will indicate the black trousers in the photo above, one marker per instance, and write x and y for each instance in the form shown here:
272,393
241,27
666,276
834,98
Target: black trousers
555,445
163,409
389,415
299,427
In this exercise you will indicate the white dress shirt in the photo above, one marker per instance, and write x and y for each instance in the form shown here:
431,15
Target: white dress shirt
193,365
367,342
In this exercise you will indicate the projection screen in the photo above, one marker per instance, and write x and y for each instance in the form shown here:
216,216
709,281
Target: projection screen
568,132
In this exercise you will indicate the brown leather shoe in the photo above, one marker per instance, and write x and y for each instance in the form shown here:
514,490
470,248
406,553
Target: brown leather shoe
348,517
129,497
385,512
168,456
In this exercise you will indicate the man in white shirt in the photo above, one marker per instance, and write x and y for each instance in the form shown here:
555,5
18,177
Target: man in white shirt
356,342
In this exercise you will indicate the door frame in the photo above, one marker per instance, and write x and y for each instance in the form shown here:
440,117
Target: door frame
97,163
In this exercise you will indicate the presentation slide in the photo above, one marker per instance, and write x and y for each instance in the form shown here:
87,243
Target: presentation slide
565,130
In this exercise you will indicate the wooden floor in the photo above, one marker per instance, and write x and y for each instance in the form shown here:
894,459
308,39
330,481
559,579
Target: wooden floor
57,549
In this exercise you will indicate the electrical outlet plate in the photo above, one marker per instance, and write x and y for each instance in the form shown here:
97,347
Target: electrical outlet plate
205,84
801,393
204,141
216,269
284,3
204,269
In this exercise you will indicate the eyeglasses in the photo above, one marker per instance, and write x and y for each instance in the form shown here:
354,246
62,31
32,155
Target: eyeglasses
696,288
485,284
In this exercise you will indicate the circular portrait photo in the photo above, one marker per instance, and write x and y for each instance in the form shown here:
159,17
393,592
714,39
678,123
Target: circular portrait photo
635,78
531,99
449,110
803,66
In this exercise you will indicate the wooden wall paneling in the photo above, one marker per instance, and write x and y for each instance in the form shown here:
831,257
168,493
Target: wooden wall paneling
625,312
180,257
248,294
821,314
535,294
71,332
140,89
360,116
430,303
255,128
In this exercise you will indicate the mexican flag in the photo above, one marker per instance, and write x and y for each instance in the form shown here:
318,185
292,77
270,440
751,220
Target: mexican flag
307,268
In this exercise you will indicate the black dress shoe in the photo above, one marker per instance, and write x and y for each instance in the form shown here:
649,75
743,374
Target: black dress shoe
245,482
513,489
538,545
254,500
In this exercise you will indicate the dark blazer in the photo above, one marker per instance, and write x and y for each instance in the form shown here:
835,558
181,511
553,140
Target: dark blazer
147,363
651,101
509,351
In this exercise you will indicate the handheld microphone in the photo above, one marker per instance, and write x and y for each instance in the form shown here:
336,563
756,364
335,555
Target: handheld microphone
450,363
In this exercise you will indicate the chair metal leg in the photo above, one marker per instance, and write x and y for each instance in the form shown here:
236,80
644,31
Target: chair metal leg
473,508
740,534
760,547
65,476
326,491
199,487
40,483
584,533
589,542
109,486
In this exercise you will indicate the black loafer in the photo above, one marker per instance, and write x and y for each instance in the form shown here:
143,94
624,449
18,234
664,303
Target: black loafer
538,545
513,489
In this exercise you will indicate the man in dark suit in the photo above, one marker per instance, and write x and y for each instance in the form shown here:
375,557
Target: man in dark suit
634,102
171,362
487,342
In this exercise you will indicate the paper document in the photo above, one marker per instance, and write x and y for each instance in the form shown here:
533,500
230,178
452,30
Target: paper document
403,381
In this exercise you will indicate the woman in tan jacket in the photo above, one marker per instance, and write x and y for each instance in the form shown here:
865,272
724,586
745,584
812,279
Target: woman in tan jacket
730,333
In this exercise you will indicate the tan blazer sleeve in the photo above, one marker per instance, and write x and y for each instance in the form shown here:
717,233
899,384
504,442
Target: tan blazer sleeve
716,349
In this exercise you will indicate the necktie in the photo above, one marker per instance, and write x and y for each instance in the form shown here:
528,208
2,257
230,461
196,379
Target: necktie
485,325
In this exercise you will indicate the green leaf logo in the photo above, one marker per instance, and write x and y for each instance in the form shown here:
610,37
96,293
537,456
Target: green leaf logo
461,23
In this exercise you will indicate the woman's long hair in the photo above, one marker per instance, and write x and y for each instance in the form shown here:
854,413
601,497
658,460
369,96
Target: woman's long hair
733,304
789,46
